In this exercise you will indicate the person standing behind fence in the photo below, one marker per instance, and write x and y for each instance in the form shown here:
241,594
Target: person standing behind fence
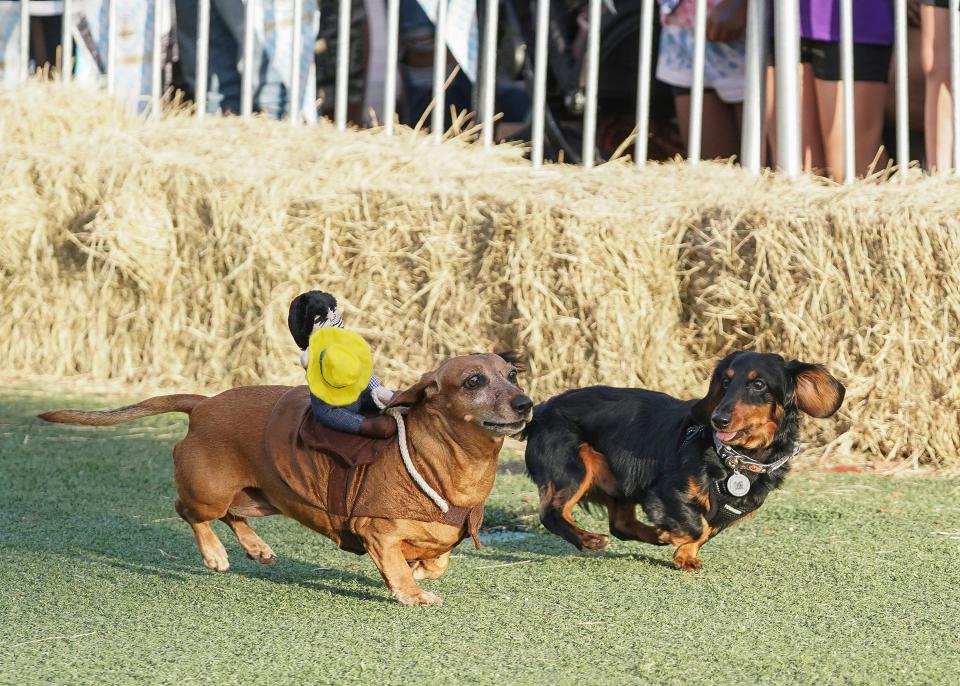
225,54
723,70
938,108
821,93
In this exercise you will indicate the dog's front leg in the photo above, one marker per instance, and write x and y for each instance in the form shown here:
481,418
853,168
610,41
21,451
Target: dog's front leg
386,553
688,546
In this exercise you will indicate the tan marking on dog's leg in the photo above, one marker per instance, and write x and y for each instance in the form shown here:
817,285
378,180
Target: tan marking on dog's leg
254,546
431,569
688,547
387,555
624,524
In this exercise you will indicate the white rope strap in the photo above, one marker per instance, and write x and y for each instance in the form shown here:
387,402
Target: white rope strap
397,414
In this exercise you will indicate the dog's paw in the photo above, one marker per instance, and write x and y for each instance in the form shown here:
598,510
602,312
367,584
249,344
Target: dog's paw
418,598
216,560
687,564
264,555
593,542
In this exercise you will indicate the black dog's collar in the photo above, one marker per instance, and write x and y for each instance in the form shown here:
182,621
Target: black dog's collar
737,461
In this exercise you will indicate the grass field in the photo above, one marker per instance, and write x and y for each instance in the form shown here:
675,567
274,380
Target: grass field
840,578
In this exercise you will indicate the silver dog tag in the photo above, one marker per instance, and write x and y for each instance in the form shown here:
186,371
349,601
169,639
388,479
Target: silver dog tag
738,484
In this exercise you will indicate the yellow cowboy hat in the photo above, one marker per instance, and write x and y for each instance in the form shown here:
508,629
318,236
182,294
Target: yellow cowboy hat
339,367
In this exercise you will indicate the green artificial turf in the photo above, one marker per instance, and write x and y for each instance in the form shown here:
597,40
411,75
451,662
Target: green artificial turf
839,578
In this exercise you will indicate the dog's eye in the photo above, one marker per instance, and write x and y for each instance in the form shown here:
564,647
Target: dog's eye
759,385
512,377
475,381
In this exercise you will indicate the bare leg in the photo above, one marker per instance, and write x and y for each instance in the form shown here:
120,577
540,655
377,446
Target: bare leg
252,544
868,102
721,125
935,55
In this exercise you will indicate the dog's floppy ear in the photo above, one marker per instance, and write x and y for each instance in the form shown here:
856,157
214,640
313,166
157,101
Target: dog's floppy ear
818,393
418,392
515,358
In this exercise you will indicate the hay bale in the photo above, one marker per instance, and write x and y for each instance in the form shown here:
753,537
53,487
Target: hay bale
165,253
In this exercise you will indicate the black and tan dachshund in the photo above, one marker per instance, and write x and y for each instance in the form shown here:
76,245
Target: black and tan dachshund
694,466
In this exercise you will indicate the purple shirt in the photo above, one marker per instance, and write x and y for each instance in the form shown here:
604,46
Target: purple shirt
872,20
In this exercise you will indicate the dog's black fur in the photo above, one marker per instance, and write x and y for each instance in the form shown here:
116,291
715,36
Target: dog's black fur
308,310
621,447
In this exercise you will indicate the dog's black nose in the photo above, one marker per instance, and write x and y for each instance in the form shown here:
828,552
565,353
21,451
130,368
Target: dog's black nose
521,403
720,420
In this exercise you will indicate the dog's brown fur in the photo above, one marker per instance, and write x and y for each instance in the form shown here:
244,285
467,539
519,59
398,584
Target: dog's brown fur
221,471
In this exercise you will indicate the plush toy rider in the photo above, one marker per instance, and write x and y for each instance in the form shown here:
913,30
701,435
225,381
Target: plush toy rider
339,368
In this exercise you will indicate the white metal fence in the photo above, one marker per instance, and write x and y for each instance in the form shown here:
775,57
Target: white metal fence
786,41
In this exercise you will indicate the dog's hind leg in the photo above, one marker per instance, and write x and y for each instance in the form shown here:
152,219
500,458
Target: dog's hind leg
254,546
624,524
430,569
212,552
557,503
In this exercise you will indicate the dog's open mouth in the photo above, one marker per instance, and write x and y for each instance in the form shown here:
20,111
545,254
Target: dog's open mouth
505,428
726,436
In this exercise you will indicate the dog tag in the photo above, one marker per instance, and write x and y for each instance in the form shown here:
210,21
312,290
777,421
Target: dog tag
738,484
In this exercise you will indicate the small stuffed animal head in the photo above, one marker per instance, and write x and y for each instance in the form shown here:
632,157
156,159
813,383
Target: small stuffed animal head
311,311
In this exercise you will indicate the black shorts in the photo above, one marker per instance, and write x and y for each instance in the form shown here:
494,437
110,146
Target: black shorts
870,62
945,4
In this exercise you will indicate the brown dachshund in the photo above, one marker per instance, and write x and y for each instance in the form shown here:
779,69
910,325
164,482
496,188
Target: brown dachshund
460,414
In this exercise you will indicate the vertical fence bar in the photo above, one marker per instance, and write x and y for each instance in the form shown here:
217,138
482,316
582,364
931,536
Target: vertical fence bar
756,64
295,49
156,67
246,82
439,71
24,39
111,46
203,56
539,82
489,77
66,42
903,122
593,76
955,80
643,83
846,78
390,78
343,64
787,37
696,87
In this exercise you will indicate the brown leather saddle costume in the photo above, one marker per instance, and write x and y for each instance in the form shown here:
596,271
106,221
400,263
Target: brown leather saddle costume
349,475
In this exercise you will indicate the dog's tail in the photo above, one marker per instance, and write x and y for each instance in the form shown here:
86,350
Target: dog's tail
181,402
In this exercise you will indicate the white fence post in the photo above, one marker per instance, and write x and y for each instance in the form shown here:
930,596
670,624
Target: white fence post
903,123
751,143
203,57
111,46
293,101
439,71
593,76
343,64
390,78
643,83
787,38
156,67
246,82
955,80
847,80
25,39
539,82
695,135
66,42
488,79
